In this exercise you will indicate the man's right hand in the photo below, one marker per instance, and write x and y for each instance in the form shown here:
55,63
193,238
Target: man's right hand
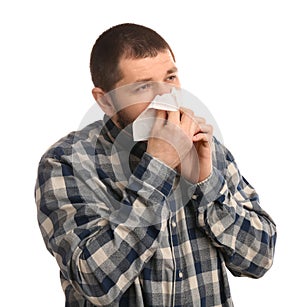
172,136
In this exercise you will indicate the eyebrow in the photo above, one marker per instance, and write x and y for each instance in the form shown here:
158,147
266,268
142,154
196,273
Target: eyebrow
172,70
169,71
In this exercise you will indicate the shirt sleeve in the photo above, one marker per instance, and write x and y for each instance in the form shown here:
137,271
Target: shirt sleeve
230,214
100,251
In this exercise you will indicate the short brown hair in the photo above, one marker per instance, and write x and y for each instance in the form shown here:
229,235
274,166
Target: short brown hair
125,40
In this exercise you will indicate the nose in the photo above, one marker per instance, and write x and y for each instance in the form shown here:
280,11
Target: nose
162,88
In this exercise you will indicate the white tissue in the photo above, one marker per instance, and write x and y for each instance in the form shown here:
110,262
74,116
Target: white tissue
142,126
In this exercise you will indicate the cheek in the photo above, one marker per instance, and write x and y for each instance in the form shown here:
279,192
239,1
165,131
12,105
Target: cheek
137,109
133,111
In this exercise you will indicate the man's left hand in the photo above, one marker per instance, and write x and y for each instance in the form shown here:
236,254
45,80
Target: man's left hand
197,165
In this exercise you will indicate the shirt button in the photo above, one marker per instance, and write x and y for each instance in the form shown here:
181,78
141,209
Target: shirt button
173,224
180,274
194,197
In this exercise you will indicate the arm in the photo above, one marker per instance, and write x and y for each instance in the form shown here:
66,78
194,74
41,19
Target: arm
228,207
99,255
230,214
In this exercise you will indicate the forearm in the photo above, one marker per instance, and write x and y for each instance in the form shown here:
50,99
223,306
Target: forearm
237,226
107,264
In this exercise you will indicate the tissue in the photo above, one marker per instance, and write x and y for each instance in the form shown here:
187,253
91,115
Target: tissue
142,126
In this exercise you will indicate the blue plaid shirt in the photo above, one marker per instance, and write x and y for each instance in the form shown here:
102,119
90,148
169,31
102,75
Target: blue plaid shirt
127,230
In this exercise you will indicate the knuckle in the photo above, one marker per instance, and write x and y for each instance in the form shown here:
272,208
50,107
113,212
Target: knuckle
187,111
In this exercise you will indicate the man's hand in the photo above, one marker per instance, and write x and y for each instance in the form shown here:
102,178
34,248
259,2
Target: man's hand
197,164
169,142
182,141
202,142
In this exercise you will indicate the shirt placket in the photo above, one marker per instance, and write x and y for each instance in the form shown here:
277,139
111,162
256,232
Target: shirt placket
175,244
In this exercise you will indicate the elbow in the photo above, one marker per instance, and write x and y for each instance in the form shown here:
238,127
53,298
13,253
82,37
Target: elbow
264,258
253,270
76,292
95,292
92,283
255,266
257,271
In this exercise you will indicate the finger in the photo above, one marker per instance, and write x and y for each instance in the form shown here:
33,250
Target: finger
188,122
161,116
203,128
200,120
186,111
174,117
200,137
205,134
206,128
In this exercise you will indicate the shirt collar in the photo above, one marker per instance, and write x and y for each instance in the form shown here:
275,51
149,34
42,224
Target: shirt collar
122,138
110,130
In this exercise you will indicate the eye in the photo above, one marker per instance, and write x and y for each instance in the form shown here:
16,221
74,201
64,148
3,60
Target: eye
143,87
172,78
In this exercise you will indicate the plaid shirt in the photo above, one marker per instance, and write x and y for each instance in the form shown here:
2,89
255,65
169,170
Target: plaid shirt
126,230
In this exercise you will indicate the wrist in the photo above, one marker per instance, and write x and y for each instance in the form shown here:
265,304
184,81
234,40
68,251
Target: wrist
205,170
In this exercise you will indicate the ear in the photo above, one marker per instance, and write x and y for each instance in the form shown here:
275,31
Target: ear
104,101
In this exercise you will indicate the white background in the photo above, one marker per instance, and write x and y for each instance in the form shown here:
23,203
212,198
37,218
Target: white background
241,58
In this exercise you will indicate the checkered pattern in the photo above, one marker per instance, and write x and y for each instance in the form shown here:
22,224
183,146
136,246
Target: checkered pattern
126,230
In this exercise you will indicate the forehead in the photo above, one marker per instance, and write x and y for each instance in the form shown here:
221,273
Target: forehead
152,68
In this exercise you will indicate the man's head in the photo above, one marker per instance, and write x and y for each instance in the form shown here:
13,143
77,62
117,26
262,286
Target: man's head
127,41
130,54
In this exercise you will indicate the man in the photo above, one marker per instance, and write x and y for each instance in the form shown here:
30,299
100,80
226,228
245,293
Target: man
151,223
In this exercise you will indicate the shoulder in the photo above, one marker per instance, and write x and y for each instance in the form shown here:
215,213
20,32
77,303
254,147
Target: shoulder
220,150
66,146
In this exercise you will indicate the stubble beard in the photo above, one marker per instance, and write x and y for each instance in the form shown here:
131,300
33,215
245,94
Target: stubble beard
122,120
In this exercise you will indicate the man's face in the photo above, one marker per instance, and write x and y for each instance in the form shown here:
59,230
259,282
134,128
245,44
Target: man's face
142,80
